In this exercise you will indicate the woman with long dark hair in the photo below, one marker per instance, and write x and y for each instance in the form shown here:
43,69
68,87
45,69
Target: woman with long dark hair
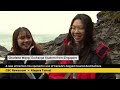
24,44
79,41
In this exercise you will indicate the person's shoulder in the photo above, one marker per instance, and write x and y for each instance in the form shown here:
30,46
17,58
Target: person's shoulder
7,61
36,50
95,45
101,49
60,49
62,45
101,53
39,46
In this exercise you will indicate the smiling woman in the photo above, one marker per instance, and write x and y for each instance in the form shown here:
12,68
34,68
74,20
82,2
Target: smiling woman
79,41
77,31
23,44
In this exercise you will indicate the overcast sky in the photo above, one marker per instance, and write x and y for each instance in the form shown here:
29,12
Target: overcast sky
40,22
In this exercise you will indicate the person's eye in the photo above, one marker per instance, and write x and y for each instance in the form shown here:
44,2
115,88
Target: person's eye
29,37
80,28
73,27
22,37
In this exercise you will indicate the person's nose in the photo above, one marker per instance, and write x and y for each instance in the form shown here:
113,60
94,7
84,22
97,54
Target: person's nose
77,30
26,40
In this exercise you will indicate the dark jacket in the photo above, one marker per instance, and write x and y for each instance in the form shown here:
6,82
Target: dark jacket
20,62
89,58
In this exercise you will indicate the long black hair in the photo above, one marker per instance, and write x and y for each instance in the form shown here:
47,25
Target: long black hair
88,25
15,47
88,40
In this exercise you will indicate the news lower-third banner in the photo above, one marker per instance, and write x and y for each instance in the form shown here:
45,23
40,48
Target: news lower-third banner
60,68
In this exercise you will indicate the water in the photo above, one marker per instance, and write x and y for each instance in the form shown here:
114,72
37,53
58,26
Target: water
6,39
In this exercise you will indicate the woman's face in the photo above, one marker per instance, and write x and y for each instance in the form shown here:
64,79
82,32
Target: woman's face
77,30
24,40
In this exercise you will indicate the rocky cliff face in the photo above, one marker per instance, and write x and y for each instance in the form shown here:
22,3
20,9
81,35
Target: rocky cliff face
107,29
3,53
50,48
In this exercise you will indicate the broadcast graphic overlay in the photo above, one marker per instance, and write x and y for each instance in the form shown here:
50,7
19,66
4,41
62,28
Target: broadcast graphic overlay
54,68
